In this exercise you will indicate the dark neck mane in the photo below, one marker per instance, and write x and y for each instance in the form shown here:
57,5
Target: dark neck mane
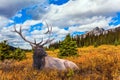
39,60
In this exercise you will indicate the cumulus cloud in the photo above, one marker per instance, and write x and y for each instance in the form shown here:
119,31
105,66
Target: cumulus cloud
82,12
13,38
101,22
11,7
3,21
18,15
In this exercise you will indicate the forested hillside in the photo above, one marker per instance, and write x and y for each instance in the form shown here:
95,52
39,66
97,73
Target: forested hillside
109,37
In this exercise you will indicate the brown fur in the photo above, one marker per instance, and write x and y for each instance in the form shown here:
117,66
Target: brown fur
59,64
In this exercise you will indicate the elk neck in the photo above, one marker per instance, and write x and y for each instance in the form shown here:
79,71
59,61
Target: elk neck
39,58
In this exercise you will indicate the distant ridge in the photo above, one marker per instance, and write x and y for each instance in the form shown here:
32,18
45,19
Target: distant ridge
98,31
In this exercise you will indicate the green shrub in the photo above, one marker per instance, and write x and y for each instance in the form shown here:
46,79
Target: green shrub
68,47
19,54
7,53
96,44
116,42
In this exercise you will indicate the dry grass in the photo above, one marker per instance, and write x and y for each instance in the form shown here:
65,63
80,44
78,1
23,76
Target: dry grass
101,63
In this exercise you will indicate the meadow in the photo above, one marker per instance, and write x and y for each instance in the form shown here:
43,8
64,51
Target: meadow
100,63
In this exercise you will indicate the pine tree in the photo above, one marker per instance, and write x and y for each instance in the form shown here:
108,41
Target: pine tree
4,51
68,47
116,42
19,54
7,53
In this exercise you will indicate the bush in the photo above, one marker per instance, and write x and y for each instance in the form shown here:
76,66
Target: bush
68,47
116,43
19,54
96,44
7,53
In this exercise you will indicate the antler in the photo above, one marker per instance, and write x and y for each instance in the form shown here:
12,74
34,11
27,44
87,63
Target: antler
20,33
49,31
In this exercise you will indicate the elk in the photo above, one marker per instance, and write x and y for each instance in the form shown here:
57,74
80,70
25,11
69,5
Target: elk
41,60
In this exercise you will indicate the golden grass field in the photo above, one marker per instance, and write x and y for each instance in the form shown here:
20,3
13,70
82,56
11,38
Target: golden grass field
101,63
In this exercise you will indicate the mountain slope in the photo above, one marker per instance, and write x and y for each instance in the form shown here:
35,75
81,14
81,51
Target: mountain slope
99,36
98,31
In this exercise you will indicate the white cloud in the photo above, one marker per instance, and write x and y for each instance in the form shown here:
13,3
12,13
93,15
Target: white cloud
62,32
13,38
101,22
3,21
18,15
28,23
81,12
11,7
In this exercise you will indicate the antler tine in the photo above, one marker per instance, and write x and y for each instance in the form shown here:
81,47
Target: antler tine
20,29
47,27
51,28
48,32
48,41
35,41
15,29
40,42
20,33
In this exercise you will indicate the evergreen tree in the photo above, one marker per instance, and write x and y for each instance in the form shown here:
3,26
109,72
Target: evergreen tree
7,53
4,51
68,47
116,42
18,54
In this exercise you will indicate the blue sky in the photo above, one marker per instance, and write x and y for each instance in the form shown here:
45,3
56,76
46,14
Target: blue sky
65,16
116,20
58,2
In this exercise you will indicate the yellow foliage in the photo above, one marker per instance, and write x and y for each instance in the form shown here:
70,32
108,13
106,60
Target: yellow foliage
101,63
